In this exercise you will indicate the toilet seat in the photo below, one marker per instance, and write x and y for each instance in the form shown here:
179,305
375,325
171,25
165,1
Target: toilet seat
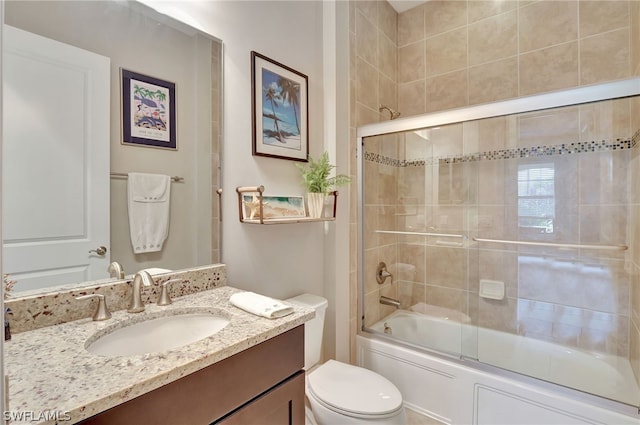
354,391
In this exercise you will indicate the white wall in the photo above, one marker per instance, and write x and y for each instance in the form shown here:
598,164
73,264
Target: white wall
277,260
312,38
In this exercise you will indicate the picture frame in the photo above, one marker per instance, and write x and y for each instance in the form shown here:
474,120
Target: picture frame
280,118
148,111
273,207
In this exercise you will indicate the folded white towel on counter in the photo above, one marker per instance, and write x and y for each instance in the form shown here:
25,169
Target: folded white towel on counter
260,305
148,204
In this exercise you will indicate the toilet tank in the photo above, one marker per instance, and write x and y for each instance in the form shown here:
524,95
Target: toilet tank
313,328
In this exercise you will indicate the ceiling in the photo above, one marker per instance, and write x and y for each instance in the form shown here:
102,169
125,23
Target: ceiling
404,5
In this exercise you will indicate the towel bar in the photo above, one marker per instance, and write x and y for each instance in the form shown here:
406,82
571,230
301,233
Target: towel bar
124,175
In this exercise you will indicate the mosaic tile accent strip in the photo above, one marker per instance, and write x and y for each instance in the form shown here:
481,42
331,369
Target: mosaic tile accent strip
383,160
514,153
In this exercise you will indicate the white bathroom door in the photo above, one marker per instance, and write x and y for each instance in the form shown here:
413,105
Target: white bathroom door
55,161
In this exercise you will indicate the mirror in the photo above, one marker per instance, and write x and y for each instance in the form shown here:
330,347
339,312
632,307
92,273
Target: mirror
128,36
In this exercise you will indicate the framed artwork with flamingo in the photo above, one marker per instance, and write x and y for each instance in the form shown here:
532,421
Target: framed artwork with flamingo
148,111
279,110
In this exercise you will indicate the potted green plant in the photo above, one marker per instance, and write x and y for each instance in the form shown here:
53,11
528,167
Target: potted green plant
315,177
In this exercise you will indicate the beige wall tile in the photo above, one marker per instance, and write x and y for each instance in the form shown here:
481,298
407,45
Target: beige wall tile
493,81
603,178
388,95
496,222
366,40
446,267
411,26
388,20
498,265
446,91
413,255
411,62
561,125
553,68
635,295
367,84
411,185
352,57
634,350
602,16
493,38
452,298
411,98
369,8
480,9
446,52
369,273
371,308
497,314
388,58
447,140
634,237
635,37
605,57
547,23
492,179
540,70
603,224
441,16
497,133
606,120
366,115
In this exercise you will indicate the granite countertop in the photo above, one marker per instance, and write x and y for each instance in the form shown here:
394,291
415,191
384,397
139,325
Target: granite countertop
50,371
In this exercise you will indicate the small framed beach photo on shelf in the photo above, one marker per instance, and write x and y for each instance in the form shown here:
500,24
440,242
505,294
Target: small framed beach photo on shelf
280,117
273,207
148,111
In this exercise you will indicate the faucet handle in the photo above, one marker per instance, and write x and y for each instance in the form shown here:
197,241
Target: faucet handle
115,270
164,298
102,312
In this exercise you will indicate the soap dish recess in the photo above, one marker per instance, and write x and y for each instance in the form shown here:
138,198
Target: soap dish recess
492,289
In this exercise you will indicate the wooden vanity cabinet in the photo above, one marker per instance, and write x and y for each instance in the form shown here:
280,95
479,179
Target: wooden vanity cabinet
261,385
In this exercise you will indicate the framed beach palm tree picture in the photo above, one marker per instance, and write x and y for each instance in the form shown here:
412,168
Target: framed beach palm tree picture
279,110
148,111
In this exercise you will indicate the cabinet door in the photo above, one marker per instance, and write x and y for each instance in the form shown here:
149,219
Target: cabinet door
282,405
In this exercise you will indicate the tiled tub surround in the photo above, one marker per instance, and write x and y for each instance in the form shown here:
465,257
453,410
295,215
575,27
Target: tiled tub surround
59,305
463,179
50,370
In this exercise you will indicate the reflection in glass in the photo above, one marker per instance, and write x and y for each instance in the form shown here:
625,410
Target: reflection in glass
541,202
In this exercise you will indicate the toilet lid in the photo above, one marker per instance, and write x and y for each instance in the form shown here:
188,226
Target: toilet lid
354,389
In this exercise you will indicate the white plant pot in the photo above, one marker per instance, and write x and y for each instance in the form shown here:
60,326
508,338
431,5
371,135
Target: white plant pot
315,204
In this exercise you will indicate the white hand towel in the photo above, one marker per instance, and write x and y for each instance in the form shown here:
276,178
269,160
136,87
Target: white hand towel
148,204
260,305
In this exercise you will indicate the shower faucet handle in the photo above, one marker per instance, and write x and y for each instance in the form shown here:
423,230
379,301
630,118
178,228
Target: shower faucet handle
382,273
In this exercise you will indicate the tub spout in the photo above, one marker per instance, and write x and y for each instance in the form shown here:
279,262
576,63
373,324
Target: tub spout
389,301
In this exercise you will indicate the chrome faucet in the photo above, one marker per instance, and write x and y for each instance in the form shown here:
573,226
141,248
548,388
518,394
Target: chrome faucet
115,270
389,301
140,278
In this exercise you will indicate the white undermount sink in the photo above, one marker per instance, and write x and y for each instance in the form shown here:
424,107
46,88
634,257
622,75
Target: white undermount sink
158,334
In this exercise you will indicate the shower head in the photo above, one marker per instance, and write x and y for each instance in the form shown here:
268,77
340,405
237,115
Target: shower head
392,114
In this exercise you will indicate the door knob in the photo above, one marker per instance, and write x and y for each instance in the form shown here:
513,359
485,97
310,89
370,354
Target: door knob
100,251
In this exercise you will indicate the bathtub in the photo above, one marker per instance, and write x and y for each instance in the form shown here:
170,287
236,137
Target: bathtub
421,355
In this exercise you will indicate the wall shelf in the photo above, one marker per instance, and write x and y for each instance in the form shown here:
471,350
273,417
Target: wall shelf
257,191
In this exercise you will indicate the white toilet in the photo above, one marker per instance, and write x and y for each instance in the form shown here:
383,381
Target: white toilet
340,393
